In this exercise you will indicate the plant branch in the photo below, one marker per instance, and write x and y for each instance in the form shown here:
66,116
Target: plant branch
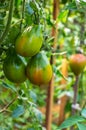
60,53
8,105
8,22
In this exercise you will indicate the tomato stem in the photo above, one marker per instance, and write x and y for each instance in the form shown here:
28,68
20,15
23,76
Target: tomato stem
8,105
8,22
22,17
75,89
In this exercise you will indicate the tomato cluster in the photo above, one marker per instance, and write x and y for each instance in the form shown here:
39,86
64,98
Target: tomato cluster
38,69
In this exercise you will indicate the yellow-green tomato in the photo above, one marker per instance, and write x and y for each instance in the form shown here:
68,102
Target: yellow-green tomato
30,41
77,63
39,70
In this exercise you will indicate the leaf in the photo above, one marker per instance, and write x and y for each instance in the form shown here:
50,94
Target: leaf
63,15
34,5
71,6
18,111
8,86
83,112
38,114
17,3
29,9
81,126
71,121
58,72
33,96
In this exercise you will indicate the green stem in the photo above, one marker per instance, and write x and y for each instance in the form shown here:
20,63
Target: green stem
22,17
8,105
8,22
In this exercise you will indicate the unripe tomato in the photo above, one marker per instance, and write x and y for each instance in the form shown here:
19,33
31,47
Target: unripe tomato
30,41
77,63
39,70
14,68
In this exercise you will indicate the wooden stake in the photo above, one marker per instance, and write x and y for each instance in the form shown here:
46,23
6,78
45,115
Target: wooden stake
51,84
64,99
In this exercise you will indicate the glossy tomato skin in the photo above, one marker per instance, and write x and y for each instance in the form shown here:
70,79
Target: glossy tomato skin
77,63
39,70
29,43
14,68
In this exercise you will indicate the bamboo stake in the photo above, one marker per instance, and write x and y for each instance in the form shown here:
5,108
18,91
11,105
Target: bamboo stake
51,84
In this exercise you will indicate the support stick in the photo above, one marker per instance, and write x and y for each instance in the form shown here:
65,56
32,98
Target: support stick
51,84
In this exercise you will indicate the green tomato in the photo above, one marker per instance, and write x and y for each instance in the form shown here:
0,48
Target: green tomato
14,68
39,70
29,42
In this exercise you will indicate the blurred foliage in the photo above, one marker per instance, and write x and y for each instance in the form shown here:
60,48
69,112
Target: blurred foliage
23,113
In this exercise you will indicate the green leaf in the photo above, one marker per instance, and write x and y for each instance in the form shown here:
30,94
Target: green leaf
18,111
5,85
58,72
71,6
17,3
38,114
63,15
71,121
81,126
34,5
29,9
33,96
83,112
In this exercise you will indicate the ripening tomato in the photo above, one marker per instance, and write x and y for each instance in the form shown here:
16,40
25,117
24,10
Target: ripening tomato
77,63
14,68
39,70
30,41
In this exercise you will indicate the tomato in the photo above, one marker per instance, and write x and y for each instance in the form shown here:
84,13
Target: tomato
14,68
39,70
30,41
77,63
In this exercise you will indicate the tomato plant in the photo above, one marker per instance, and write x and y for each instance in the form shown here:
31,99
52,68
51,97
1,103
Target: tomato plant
39,70
14,67
30,41
57,28
77,63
